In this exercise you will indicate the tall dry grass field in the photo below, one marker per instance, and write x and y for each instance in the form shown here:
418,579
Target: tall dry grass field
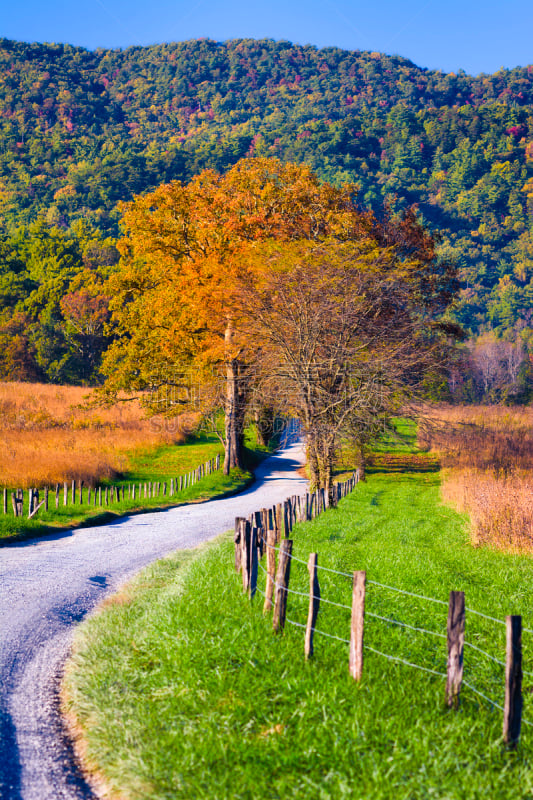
47,437
487,453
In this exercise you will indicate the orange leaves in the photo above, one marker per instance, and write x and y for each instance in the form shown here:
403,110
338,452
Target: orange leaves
185,246
193,256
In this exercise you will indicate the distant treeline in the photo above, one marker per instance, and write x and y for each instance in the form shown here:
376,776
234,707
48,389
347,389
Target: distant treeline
80,131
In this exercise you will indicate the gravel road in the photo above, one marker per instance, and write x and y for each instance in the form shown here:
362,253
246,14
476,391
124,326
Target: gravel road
49,585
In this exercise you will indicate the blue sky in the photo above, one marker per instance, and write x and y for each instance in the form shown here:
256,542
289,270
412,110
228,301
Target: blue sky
472,35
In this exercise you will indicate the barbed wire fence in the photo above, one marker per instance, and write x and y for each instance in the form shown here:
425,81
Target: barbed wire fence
267,532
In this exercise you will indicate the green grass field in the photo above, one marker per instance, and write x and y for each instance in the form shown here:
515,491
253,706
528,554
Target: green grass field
159,465
182,690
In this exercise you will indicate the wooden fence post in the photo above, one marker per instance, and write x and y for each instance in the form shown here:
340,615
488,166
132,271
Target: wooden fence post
253,563
512,715
46,498
264,528
456,640
81,492
271,541
282,585
237,540
65,493
357,627
73,492
279,520
246,530
314,603
287,518
5,500
36,507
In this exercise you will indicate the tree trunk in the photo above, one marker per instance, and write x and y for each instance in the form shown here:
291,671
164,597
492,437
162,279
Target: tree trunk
264,423
320,460
360,462
312,464
234,410
327,457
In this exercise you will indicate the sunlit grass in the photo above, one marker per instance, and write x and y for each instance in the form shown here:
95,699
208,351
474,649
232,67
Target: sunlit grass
183,691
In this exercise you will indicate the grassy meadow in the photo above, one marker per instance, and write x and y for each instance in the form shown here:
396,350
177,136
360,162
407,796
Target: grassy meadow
49,436
179,689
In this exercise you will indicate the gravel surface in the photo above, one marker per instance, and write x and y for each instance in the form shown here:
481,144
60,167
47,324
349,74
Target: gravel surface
48,585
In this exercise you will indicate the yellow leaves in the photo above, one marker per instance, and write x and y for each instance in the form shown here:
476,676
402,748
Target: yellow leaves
528,187
500,168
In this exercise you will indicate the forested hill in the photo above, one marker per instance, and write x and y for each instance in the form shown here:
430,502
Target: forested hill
81,130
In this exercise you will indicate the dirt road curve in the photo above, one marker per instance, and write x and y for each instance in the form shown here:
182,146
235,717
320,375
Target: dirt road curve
49,585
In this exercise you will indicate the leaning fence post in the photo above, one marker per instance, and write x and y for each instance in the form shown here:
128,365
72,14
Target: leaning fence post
271,541
357,626
456,640
282,585
314,603
512,715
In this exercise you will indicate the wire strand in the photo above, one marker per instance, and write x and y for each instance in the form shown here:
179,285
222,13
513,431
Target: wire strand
484,696
316,630
488,655
403,661
405,625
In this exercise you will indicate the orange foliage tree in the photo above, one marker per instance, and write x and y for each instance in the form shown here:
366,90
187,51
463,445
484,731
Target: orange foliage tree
178,293
226,272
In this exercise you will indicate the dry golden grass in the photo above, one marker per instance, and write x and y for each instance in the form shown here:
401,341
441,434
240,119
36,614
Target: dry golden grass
48,438
500,508
488,456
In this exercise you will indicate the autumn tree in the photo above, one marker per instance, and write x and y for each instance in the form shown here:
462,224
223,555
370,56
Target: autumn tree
187,255
349,331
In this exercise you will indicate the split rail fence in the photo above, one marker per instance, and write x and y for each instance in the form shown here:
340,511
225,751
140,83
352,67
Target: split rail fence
267,533
76,493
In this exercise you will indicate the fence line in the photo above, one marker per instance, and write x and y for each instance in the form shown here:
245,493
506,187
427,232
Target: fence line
262,533
400,591
95,495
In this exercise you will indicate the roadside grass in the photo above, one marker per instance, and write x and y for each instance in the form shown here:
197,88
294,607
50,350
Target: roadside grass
179,688
159,464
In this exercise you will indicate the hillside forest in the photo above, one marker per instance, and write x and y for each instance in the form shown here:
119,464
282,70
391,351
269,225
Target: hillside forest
82,131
